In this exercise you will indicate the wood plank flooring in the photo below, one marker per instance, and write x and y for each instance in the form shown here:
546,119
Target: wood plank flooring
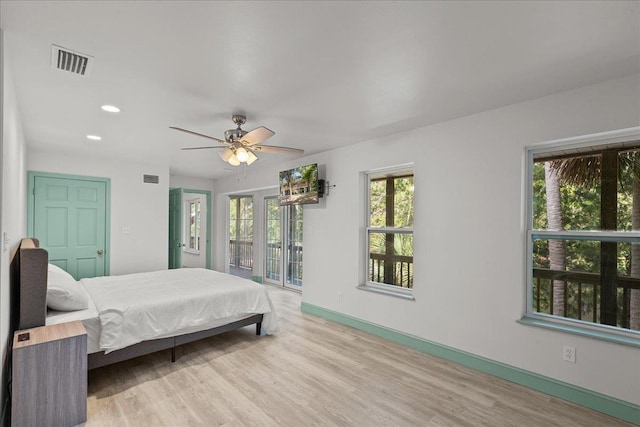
314,373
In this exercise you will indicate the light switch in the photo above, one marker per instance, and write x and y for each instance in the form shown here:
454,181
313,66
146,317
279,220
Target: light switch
126,230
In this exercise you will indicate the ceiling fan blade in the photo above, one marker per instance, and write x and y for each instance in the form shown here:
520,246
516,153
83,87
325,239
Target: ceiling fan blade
199,134
203,148
256,136
226,154
278,150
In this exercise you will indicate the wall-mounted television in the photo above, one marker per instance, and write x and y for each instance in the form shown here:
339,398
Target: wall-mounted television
299,185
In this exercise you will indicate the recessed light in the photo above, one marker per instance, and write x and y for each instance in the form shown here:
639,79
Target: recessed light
94,137
110,108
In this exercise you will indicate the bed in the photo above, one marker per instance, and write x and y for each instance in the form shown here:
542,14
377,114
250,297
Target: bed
136,314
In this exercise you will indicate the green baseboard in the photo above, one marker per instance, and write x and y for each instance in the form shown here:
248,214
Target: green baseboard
590,399
257,279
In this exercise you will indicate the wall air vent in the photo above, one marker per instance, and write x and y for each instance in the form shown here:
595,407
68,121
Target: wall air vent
151,179
73,62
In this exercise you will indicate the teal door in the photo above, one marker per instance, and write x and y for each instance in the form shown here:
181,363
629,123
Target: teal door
70,220
175,228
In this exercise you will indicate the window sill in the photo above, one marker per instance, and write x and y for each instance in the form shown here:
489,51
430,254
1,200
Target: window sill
559,326
399,293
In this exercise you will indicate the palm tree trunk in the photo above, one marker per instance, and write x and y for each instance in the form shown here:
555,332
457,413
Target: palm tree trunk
556,247
634,312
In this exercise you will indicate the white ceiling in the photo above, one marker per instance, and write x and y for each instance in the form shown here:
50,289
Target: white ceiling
320,74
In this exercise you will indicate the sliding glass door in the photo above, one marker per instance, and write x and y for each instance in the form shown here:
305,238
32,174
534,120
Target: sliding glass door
241,236
273,241
293,239
283,244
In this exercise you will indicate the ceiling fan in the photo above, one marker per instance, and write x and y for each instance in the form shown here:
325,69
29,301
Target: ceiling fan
241,146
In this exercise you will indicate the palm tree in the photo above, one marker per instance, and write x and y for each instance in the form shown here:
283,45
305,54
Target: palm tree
285,180
557,258
308,175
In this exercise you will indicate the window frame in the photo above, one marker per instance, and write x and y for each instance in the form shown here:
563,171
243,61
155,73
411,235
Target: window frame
570,146
365,283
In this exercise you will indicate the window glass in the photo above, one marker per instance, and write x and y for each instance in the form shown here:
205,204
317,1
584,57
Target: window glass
390,229
241,235
193,208
585,254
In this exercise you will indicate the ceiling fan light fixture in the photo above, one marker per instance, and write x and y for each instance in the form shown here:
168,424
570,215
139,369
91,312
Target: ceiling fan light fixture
226,154
252,158
233,160
242,155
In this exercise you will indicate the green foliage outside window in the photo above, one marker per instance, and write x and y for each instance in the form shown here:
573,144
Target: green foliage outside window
241,231
391,250
580,199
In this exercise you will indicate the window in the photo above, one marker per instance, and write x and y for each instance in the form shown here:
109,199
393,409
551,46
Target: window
241,236
193,226
584,238
389,231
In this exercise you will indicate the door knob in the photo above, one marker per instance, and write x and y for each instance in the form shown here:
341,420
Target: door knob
99,251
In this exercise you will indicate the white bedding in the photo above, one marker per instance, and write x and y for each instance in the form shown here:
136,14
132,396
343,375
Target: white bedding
90,321
139,307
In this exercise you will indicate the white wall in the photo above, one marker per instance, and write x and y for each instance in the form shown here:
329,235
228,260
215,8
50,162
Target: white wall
469,212
13,191
142,208
193,183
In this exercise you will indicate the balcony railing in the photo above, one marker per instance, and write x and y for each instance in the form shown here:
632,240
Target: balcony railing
581,294
241,255
274,261
400,271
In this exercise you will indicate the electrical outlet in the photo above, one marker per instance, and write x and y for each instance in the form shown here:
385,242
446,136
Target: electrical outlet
569,354
339,296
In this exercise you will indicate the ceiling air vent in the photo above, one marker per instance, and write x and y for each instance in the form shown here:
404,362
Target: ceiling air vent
73,62
151,179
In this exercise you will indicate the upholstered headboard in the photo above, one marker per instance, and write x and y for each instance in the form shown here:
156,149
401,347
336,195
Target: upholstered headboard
29,285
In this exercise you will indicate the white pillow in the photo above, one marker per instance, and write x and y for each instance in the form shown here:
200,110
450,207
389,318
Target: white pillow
63,292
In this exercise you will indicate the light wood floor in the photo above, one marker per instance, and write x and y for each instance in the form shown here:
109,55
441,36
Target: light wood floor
314,372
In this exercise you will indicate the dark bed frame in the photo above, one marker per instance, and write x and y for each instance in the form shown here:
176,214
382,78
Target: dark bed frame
29,309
